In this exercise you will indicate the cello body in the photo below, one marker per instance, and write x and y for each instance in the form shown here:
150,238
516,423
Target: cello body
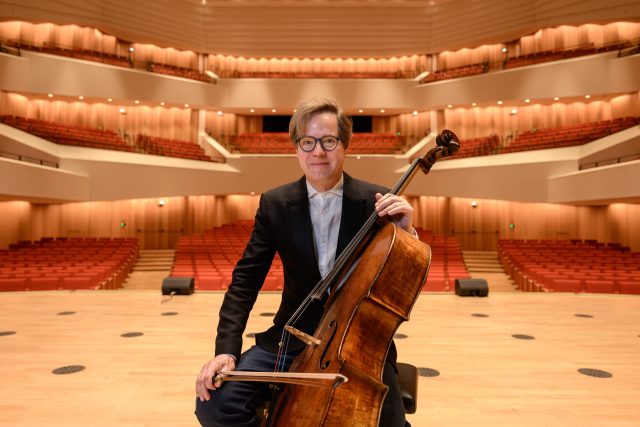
361,317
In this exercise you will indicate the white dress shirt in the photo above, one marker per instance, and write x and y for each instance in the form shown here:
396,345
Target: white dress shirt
325,208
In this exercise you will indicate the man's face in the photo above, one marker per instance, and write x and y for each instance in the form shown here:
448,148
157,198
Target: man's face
323,169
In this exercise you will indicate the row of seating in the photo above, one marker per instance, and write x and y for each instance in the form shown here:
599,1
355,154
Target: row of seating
82,136
571,266
113,59
457,72
567,136
211,256
172,70
475,147
171,148
67,263
279,143
560,54
521,61
69,134
316,75
447,263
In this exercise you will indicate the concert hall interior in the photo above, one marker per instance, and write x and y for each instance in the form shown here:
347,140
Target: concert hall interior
136,138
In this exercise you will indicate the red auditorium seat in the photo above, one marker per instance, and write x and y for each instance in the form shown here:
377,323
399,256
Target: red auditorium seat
44,283
600,286
565,285
12,284
629,287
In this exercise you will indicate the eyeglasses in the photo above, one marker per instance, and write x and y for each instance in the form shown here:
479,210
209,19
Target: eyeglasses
327,142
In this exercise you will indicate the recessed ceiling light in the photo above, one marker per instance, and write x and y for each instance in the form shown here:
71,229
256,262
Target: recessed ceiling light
162,103
186,105
449,106
273,111
499,102
219,113
588,96
109,99
360,111
527,100
137,101
382,111
50,95
555,98
81,97
252,110
473,104
415,113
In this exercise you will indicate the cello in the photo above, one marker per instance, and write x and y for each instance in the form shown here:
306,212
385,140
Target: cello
373,286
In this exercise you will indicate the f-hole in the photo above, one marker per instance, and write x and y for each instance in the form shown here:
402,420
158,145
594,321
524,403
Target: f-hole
324,364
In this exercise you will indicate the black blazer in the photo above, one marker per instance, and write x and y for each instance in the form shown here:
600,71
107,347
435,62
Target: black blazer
283,225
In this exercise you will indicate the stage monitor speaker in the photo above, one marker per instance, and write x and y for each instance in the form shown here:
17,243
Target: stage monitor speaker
177,285
472,287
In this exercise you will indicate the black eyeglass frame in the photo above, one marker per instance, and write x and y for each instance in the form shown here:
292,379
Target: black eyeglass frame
318,140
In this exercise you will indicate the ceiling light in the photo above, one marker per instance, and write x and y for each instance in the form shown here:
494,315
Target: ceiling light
360,111
587,96
415,113
219,113
162,103
50,95
252,110
273,111
382,111
109,99
81,97
449,106
137,101
473,104
499,102
186,105
527,100
555,98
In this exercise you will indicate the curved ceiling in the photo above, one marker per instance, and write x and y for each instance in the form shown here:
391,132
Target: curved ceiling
320,28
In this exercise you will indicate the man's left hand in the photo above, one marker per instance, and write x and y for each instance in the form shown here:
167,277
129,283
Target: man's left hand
400,212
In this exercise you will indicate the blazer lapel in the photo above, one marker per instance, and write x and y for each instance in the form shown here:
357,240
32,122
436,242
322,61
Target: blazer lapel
300,226
353,214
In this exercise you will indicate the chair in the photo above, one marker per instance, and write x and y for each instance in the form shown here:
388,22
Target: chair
13,284
408,379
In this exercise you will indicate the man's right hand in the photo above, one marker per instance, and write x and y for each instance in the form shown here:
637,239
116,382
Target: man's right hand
204,383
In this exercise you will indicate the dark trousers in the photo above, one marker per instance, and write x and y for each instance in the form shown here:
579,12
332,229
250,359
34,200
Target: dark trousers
236,402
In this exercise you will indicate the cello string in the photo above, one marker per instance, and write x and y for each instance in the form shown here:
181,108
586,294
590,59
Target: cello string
324,284
334,275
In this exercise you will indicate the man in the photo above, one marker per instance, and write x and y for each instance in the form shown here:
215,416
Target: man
308,222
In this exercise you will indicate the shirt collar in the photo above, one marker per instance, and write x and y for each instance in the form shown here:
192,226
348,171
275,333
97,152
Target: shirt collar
337,189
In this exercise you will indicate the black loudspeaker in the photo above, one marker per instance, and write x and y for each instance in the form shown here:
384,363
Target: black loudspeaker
178,285
472,287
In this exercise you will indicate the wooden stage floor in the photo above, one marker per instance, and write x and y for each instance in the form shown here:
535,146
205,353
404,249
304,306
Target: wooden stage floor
486,376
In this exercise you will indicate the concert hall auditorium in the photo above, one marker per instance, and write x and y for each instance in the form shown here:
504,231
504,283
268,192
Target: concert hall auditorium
137,139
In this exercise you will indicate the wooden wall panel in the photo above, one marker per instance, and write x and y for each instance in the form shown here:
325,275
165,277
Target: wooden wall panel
477,228
484,121
156,227
480,228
